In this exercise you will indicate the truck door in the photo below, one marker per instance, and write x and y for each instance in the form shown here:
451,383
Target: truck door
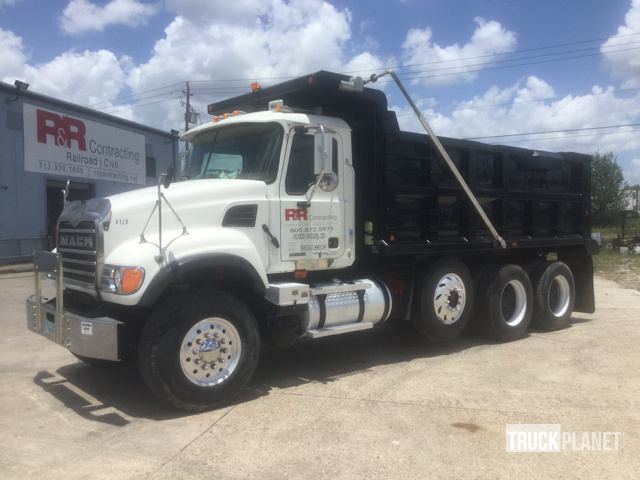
313,231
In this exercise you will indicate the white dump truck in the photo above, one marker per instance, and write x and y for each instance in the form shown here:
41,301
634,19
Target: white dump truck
304,211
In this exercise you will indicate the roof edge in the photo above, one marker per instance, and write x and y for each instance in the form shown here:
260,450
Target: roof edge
82,109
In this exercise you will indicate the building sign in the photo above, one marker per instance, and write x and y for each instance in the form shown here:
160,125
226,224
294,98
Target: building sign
58,144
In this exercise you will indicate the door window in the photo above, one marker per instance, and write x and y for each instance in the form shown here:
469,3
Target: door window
300,174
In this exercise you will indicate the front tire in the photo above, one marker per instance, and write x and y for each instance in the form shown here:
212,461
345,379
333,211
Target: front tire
443,300
199,349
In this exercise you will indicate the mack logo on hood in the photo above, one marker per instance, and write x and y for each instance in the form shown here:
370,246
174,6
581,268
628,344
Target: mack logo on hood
77,241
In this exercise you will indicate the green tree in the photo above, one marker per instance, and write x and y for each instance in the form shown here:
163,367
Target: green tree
607,183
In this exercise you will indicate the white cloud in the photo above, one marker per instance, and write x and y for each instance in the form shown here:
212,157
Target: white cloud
236,11
245,39
83,77
88,77
263,40
13,58
443,65
4,3
82,15
532,106
622,58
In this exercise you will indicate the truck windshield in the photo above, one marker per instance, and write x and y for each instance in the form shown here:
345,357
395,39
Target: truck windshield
247,151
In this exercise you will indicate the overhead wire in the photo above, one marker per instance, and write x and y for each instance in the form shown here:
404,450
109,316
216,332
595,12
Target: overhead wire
545,132
230,89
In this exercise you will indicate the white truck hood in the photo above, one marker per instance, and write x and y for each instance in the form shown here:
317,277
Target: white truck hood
200,204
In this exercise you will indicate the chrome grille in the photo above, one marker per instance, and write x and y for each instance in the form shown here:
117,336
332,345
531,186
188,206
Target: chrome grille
78,247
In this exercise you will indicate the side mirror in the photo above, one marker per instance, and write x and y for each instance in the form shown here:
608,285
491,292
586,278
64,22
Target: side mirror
169,175
323,158
328,182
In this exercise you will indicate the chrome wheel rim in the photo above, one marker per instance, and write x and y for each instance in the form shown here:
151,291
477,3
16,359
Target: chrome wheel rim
449,298
210,351
559,296
513,303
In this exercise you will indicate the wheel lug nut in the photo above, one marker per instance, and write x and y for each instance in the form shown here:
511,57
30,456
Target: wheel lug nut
205,366
196,361
198,341
207,335
216,335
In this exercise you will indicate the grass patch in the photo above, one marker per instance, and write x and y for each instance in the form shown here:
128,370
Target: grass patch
632,228
623,269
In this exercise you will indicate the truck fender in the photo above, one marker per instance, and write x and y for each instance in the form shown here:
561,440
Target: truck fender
176,270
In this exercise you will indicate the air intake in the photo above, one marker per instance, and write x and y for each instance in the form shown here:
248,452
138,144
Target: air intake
240,216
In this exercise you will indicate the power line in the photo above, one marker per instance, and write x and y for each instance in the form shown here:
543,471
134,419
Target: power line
463,69
434,62
489,106
225,89
504,135
148,97
139,105
138,94
515,52
523,140
599,51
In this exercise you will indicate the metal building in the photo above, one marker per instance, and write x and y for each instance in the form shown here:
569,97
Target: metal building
44,142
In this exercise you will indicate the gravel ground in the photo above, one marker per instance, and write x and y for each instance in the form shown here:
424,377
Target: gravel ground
377,404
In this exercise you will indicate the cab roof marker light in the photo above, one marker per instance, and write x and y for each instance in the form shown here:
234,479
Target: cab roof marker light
276,105
279,106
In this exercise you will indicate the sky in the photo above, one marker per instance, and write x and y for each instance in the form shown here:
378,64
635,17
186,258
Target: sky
565,73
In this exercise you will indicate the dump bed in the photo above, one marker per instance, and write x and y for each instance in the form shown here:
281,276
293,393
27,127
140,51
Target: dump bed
535,199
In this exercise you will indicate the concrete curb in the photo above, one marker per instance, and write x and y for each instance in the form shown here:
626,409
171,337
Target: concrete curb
17,268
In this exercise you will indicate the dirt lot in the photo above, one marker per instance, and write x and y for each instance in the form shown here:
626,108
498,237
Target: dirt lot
623,269
380,404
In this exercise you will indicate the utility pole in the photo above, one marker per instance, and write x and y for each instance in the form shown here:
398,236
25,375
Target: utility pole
187,112
187,118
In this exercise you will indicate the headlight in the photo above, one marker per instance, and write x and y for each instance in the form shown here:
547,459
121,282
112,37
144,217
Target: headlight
121,280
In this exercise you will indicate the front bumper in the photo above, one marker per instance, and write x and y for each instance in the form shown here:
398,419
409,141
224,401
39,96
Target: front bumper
84,336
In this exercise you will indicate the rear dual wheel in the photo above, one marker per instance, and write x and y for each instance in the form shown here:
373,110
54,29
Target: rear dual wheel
504,302
554,295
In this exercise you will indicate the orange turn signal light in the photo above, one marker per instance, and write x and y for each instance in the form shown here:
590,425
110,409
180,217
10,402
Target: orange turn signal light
300,274
131,279
255,86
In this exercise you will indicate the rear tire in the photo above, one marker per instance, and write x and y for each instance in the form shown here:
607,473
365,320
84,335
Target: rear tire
505,302
443,300
199,349
554,295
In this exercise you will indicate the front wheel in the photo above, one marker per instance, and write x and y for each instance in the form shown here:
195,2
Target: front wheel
443,300
198,349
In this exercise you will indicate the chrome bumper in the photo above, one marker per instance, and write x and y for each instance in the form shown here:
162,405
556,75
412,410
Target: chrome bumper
84,336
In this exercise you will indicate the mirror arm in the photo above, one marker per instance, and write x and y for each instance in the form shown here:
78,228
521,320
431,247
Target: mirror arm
312,190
